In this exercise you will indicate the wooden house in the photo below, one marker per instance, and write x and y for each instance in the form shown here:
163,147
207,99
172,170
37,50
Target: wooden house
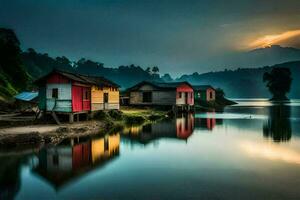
161,94
204,93
71,93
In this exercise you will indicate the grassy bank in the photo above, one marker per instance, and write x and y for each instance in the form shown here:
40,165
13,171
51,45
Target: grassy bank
103,122
130,116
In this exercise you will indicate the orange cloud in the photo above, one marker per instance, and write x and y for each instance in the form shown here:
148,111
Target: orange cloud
269,40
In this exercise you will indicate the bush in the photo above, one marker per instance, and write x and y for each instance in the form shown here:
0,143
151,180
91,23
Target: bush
115,114
154,117
101,115
134,119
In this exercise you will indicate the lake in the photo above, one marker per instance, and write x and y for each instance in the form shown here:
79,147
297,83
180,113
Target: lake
248,151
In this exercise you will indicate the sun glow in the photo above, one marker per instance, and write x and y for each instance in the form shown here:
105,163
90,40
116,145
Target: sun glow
271,151
269,40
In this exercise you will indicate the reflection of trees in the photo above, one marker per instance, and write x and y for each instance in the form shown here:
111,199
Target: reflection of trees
9,177
278,125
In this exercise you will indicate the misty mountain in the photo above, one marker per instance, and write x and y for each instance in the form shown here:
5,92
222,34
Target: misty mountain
265,56
245,83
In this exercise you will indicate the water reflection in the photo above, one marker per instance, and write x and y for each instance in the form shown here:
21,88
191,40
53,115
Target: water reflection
181,128
75,157
10,176
207,120
278,125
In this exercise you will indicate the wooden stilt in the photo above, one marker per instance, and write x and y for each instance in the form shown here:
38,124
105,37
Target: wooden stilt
71,117
55,117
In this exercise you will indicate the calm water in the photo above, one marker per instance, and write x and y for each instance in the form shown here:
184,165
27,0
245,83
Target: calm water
249,151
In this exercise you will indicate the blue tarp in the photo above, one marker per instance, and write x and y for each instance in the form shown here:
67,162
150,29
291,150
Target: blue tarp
27,96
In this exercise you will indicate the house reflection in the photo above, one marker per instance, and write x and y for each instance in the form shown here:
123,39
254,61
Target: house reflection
208,123
76,157
278,125
181,128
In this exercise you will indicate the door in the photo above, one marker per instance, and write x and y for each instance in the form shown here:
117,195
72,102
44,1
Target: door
77,104
86,98
105,100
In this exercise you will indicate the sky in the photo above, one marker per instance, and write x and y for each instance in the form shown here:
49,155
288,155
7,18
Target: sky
178,36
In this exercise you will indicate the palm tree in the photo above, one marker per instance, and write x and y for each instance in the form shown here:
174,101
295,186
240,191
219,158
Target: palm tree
278,82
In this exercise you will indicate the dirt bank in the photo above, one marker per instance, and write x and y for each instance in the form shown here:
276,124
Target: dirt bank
48,134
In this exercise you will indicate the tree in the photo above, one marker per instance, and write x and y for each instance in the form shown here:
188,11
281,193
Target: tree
278,81
155,70
220,94
11,64
148,70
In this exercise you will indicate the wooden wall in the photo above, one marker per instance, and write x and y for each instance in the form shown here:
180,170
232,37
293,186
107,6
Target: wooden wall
64,100
213,92
98,98
158,98
187,95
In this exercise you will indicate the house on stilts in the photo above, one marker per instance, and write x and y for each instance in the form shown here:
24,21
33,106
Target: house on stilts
69,93
204,93
175,94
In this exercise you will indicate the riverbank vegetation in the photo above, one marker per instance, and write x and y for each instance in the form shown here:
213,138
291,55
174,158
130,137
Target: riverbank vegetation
35,132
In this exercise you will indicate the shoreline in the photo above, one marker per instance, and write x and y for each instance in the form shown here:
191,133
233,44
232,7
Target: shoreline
52,134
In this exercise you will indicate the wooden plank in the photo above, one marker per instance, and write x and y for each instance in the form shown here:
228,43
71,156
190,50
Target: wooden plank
55,118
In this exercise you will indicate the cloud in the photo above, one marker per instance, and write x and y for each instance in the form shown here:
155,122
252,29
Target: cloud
269,40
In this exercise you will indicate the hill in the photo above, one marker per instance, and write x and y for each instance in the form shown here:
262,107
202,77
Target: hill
245,83
13,76
38,64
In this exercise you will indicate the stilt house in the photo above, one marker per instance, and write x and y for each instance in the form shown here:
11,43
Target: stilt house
71,93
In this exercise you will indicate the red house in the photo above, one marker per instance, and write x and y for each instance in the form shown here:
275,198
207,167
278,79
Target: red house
64,92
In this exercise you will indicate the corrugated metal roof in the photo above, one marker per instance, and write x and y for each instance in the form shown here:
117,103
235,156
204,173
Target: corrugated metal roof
27,96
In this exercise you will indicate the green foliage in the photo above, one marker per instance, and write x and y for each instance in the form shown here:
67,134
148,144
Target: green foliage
101,115
14,76
134,119
116,114
155,69
278,81
154,117
220,94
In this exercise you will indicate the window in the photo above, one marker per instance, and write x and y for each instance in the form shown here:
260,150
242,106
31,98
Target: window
147,97
55,93
211,95
86,95
180,95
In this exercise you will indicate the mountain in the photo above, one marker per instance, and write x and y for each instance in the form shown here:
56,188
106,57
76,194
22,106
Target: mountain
245,83
266,56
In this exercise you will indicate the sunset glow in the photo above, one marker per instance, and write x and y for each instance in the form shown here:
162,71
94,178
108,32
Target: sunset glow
269,40
271,151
